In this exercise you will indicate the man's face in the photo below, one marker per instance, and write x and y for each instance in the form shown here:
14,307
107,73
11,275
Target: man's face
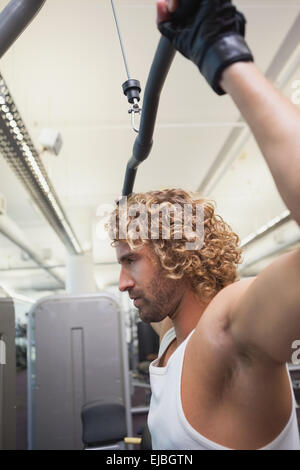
141,275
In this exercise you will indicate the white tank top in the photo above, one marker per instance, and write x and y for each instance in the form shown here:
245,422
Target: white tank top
167,423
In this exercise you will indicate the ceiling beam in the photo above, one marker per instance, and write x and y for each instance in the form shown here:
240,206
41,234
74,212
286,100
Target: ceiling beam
272,252
9,229
239,136
56,266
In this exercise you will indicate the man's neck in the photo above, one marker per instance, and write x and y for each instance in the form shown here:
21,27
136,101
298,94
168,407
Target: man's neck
188,314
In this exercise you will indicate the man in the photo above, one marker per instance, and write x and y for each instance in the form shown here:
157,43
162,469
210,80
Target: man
220,380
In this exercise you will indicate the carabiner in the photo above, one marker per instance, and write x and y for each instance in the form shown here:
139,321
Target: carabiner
134,109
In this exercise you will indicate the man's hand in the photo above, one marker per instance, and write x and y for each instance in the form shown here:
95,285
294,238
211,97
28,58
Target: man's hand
213,38
172,5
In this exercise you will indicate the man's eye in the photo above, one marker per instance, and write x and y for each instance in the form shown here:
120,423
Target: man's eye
130,260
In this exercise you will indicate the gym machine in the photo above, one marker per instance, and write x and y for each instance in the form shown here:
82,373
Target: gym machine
7,375
77,360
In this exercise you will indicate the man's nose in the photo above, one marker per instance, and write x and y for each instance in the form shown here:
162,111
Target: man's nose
125,282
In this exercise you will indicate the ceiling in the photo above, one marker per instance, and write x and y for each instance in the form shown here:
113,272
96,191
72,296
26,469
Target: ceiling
65,72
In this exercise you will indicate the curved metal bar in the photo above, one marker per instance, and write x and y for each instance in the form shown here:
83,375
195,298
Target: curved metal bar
143,143
14,18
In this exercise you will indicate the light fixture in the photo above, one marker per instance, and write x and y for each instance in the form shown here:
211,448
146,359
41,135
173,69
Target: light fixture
17,148
51,141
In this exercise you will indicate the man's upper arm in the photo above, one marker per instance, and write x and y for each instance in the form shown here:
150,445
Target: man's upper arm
266,318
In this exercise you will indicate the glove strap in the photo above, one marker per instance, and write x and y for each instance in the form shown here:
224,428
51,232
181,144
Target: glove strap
225,51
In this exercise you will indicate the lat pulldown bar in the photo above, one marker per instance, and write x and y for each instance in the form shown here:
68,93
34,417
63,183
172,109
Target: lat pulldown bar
143,143
14,18
159,70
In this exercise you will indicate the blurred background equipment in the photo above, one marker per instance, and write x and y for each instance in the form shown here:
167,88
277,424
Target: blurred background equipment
77,355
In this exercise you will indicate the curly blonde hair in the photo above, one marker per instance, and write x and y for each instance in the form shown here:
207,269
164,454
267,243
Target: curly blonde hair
208,269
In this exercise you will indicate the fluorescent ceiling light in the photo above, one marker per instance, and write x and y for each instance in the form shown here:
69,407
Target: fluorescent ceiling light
17,148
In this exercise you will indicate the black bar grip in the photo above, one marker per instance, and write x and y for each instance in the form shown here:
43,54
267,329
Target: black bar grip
14,18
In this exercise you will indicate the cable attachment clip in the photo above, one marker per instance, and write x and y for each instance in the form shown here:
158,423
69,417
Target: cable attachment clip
134,109
132,89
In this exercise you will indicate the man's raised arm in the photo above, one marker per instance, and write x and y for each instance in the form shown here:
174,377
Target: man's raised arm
275,124
213,38
266,319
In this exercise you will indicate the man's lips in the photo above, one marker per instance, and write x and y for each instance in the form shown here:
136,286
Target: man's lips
137,301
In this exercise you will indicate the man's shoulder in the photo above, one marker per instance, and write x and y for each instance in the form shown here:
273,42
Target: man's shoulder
214,326
236,288
226,299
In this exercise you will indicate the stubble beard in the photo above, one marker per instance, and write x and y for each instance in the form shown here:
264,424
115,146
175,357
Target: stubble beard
162,298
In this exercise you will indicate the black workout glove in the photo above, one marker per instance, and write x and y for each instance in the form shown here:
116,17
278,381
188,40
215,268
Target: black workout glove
213,38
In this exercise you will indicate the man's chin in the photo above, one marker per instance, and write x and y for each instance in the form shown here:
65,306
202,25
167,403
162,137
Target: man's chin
148,317
145,318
